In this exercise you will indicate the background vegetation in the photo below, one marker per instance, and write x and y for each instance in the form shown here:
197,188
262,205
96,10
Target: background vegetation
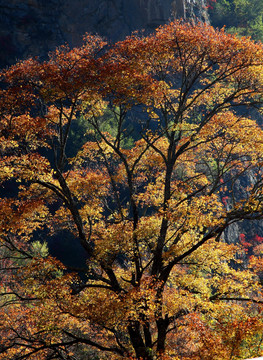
241,17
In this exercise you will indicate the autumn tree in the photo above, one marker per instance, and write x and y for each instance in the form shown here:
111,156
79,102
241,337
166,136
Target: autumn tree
150,212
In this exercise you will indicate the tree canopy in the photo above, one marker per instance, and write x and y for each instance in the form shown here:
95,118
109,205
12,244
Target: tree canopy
244,17
148,199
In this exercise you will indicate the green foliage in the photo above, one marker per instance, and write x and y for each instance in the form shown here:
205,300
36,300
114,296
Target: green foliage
81,131
39,249
77,136
109,122
243,17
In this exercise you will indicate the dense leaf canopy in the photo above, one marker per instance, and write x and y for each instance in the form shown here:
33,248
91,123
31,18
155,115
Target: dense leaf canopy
148,199
243,17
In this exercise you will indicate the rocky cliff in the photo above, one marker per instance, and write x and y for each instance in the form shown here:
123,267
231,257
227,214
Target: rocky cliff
34,27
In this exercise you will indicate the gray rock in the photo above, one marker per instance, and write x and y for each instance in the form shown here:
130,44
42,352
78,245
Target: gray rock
35,27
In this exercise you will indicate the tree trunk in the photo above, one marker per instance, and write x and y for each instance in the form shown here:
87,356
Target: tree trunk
141,350
162,325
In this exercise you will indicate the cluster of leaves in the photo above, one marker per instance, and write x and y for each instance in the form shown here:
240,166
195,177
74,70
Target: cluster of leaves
253,245
210,4
243,17
160,282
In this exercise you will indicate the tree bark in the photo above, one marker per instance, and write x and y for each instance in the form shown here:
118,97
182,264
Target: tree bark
141,350
162,325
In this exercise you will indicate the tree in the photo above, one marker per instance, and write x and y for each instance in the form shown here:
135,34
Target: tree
160,281
243,17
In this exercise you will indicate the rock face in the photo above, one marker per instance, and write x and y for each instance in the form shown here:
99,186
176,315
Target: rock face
35,27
